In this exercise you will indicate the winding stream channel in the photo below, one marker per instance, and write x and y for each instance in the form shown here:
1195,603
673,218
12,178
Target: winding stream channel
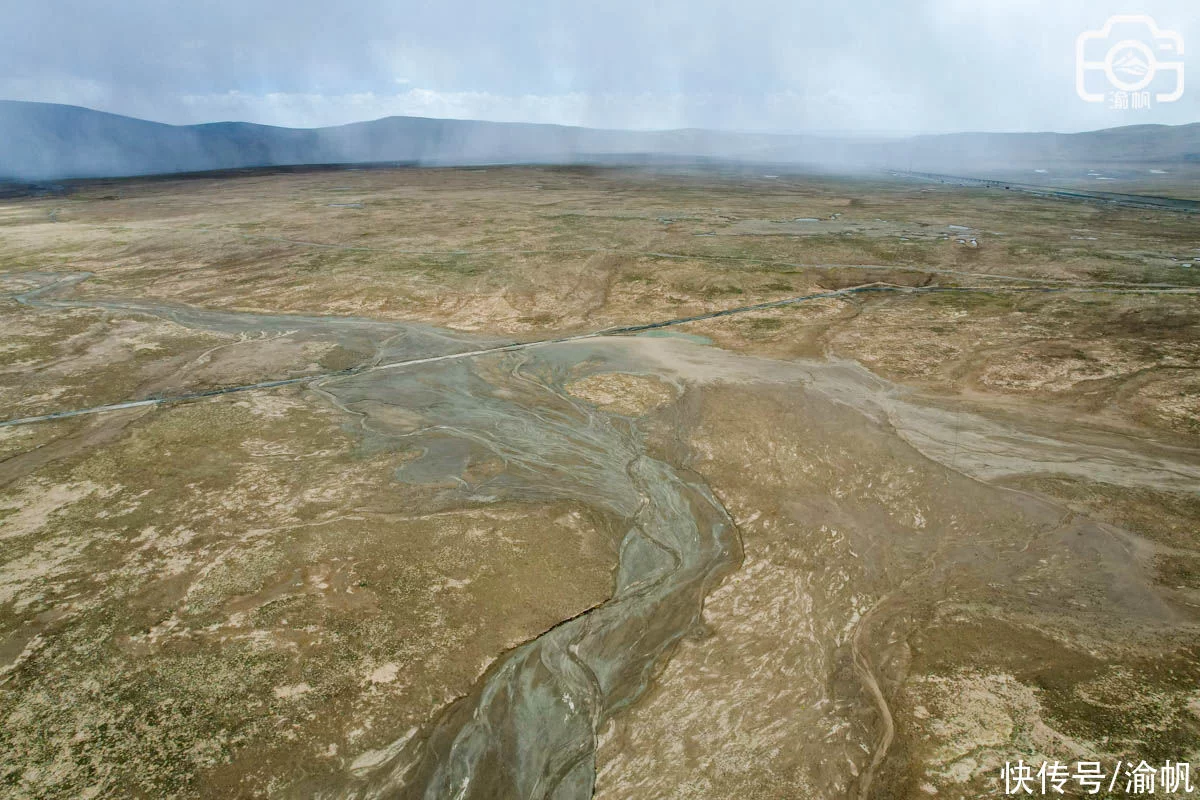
529,726
528,729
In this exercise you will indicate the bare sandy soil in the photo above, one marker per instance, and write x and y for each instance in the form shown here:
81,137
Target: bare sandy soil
867,546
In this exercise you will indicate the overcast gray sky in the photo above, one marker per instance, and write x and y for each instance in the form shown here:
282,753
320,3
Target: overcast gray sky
848,65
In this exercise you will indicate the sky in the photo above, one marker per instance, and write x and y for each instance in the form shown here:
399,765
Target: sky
867,66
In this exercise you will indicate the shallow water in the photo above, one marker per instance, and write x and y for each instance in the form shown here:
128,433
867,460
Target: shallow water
529,727
501,427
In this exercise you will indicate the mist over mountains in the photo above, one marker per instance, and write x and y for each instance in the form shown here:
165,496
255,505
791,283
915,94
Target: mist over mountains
43,141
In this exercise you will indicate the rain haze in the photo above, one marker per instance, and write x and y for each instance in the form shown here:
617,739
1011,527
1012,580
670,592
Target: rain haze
912,66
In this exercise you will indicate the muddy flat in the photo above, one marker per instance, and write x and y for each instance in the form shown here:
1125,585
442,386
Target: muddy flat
575,482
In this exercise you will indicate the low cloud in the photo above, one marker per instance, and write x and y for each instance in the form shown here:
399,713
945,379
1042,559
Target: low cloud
913,65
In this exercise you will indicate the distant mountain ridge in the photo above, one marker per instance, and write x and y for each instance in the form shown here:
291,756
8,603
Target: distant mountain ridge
43,141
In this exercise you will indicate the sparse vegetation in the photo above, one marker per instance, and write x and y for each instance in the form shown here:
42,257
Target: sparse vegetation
196,598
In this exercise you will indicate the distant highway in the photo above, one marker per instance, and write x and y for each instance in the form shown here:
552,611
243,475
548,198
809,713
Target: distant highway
1113,198
626,330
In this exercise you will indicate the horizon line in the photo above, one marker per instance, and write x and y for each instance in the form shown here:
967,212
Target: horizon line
877,134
